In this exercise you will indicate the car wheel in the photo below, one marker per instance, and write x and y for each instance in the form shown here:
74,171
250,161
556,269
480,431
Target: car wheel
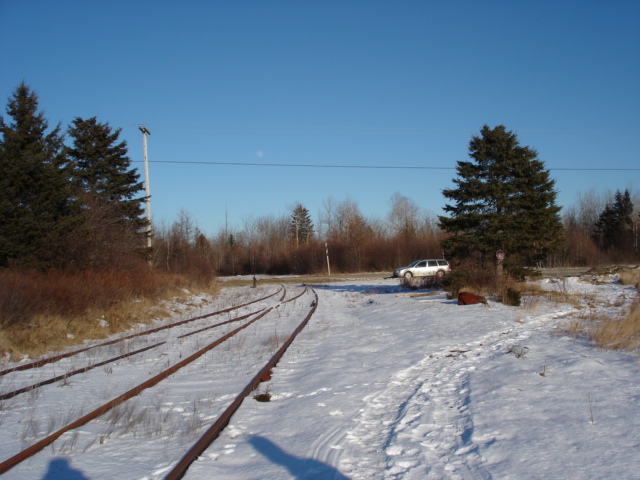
408,275
439,275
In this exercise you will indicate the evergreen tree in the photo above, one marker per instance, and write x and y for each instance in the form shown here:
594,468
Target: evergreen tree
614,227
37,210
109,189
301,227
103,170
503,200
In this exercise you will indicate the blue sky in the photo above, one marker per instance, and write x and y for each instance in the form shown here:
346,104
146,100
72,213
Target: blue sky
374,83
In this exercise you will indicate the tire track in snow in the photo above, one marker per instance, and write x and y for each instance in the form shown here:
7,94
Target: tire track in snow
328,448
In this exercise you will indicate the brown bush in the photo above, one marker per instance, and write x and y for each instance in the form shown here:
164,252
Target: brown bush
24,294
43,311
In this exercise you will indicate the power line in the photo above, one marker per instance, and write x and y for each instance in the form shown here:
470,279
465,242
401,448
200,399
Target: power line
372,167
303,165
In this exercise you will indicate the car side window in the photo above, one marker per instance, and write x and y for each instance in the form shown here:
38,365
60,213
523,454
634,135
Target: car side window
442,263
433,263
421,265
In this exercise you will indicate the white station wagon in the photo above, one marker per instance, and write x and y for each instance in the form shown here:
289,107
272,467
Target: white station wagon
437,268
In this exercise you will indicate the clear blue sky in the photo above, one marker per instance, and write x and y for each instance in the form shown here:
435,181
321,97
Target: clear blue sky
358,83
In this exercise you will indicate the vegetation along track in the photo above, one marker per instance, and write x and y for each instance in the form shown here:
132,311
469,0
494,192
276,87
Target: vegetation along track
55,358
167,372
76,371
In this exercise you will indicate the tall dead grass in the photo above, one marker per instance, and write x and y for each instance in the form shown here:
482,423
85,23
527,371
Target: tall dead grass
622,332
630,276
42,312
533,293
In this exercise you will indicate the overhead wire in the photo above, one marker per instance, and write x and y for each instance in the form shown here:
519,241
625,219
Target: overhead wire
370,167
361,131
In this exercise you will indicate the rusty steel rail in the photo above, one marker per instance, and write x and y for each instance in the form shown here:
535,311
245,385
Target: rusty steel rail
296,297
214,431
45,361
8,464
6,396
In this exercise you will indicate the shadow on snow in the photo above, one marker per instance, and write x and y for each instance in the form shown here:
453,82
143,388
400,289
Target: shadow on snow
61,469
300,468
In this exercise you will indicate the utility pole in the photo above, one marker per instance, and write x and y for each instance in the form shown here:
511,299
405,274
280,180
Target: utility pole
145,131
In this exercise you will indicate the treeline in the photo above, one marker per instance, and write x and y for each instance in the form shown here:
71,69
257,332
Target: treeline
69,200
293,244
601,228
270,245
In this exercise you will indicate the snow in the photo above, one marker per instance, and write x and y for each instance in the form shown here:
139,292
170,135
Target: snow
377,386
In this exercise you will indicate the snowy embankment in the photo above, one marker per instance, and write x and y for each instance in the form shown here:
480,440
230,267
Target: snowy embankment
376,386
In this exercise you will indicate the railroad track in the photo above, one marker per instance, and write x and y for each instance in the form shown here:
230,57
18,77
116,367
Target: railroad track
55,358
272,312
145,333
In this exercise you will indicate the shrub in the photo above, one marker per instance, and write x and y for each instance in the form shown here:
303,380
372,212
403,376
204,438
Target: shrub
263,397
473,279
511,297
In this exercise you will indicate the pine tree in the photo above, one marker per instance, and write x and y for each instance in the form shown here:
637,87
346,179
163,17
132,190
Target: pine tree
614,227
103,169
109,188
503,200
301,227
37,210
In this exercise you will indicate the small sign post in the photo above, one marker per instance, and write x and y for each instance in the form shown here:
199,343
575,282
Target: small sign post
326,247
500,260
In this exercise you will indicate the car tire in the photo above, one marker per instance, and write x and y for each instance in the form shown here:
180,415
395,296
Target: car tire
439,275
407,276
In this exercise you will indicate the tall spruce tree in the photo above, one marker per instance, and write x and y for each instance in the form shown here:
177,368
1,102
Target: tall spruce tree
301,227
37,210
102,168
503,200
109,188
614,229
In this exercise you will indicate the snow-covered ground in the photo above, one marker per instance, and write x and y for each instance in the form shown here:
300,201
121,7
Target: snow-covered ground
377,386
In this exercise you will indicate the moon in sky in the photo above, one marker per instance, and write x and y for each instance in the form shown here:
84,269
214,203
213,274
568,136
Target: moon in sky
259,153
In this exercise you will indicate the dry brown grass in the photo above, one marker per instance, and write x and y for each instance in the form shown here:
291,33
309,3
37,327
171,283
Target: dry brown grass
532,293
44,312
630,276
622,332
